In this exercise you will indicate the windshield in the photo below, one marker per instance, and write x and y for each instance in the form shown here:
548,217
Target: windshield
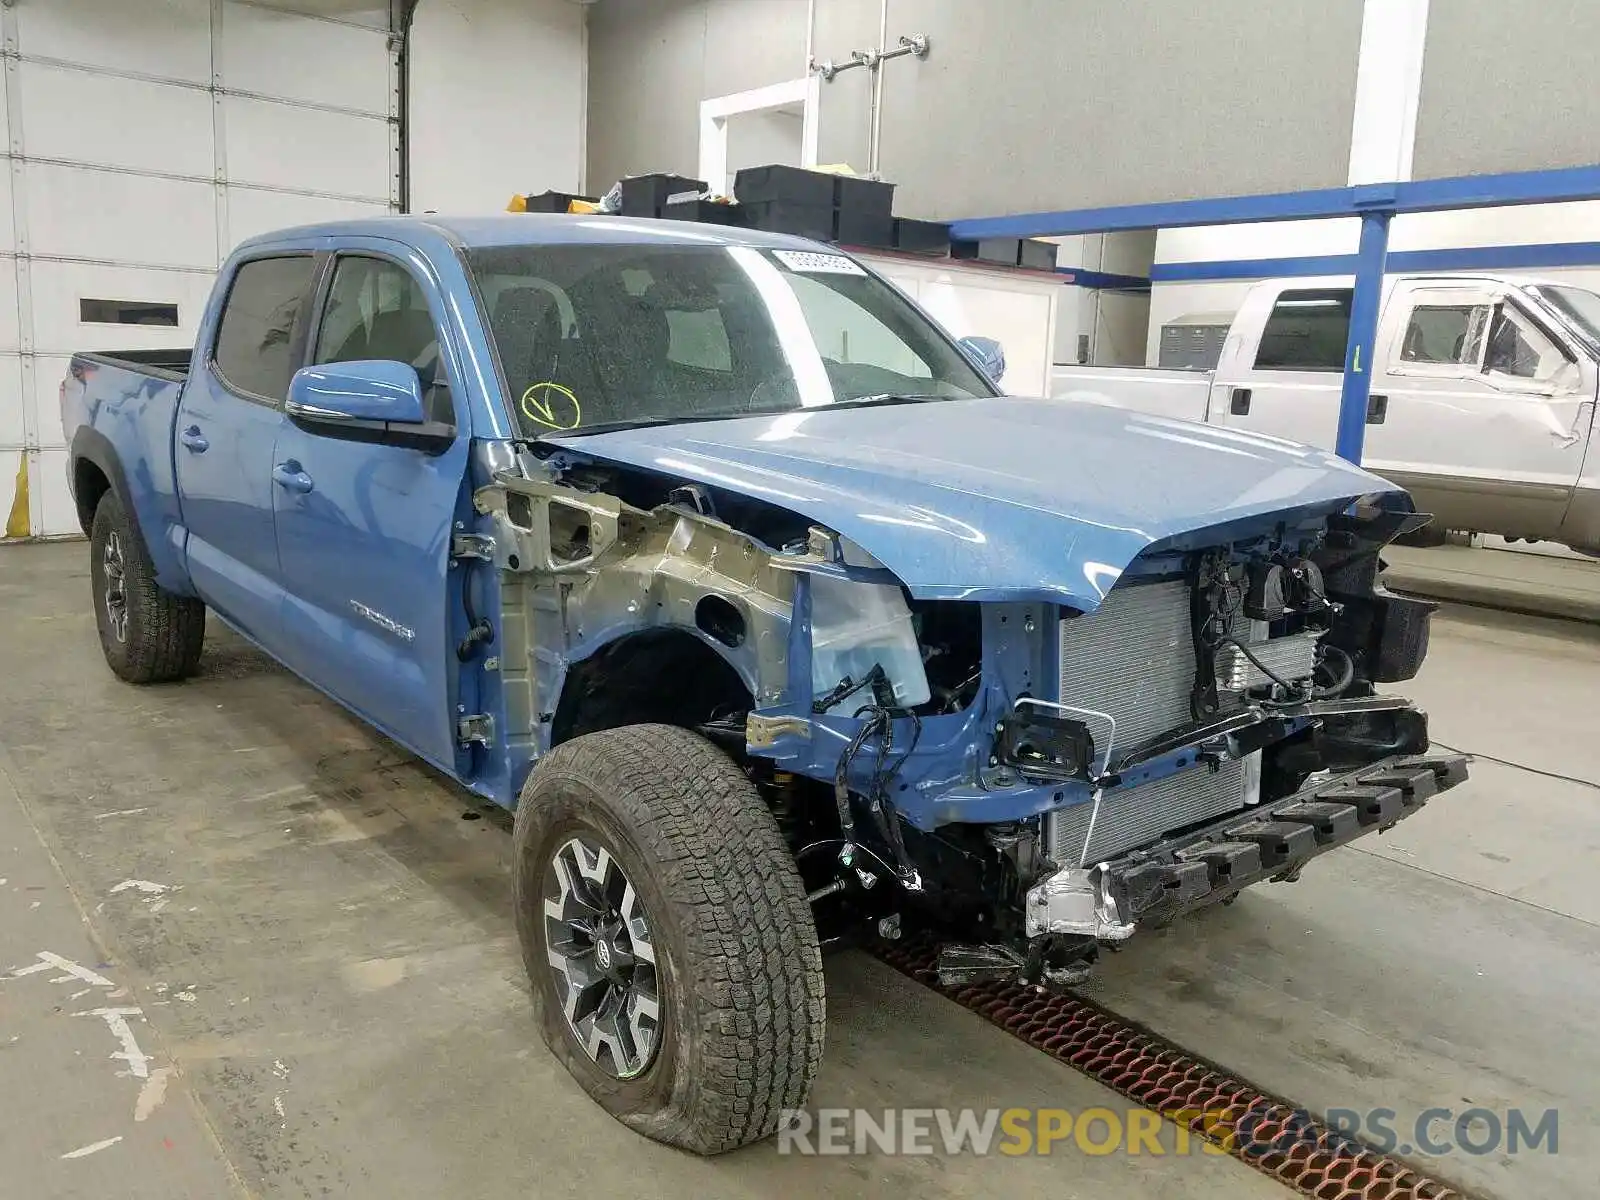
1580,307
596,337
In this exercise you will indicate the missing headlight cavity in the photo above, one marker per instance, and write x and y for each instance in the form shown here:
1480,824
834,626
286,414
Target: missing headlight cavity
519,510
569,533
950,633
718,618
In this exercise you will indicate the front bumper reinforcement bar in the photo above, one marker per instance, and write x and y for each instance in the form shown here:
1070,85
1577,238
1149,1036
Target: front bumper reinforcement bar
1273,841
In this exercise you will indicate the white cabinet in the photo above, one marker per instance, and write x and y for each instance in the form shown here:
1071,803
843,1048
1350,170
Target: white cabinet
1015,307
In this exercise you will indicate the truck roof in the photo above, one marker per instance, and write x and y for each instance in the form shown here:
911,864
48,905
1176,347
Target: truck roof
537,229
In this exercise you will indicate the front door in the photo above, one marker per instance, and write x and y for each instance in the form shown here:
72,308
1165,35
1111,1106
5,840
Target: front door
228,420
364,527
1483,411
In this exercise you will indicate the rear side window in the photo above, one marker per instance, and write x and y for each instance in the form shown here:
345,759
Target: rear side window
255,343
1307,331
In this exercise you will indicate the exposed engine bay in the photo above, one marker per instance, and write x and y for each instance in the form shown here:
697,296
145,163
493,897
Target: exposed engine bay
1035,779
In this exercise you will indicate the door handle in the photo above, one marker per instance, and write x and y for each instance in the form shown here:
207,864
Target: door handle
1377,409
194,440
1239,402
289,476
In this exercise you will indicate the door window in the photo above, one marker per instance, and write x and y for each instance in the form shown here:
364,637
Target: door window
1307,330
1450,334
377,310
255,341
1518,349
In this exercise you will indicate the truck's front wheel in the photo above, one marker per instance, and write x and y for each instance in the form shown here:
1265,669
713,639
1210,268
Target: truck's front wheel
667,937
148,634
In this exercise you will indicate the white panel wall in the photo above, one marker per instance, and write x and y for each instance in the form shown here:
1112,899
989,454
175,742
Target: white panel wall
307,149
252,212
145,138
498,102
165,39
172,135
279,54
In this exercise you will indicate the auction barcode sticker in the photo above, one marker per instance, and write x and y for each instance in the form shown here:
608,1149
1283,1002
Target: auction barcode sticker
809,262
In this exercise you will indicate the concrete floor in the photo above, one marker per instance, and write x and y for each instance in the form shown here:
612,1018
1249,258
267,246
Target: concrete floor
321,952
330,1001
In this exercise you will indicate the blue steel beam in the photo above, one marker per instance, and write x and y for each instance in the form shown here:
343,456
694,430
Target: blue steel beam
1426,195
1521,257
1359,353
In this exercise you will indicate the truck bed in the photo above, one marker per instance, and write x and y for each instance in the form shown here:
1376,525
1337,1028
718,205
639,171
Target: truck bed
1161,392
169,364
117,414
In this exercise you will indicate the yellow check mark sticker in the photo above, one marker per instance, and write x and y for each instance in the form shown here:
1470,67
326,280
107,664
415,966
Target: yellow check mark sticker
553,406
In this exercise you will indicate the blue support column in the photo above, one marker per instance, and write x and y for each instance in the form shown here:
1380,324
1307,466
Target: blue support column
1359,351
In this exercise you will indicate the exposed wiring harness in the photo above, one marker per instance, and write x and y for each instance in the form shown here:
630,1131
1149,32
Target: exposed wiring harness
479,631
877,720
1216,631
1342,678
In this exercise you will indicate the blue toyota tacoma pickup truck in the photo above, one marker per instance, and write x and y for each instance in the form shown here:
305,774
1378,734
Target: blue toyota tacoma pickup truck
715,558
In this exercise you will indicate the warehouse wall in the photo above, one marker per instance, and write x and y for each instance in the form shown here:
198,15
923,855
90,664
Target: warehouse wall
497,101
651,62
1508,87
1023,104
1047,104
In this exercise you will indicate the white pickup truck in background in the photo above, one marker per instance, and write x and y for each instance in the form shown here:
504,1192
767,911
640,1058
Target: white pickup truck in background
1483,393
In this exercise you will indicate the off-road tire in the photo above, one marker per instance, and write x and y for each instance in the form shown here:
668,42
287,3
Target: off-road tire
737,960
162,634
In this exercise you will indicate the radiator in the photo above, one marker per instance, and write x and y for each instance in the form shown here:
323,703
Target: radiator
1133,658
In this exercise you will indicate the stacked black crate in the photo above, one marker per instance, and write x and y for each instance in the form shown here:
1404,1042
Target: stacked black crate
554,202
649,195
815,204
1008,252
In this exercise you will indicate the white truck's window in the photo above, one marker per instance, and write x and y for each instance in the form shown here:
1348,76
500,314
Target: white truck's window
1306,331
1445,333
256,336
1518,349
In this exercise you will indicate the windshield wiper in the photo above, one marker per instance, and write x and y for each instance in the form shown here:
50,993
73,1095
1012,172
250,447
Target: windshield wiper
643,423
890,398
882,398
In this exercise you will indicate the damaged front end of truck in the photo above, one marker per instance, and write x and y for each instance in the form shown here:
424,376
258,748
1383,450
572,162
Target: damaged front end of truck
1035,768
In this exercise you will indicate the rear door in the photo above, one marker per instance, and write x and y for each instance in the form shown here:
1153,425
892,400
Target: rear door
1283,366
1483,408
228,420
364,526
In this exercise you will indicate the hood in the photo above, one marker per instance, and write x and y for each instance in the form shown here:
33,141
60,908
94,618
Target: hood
997,499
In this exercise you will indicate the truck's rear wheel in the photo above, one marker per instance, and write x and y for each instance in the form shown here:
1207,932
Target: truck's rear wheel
670,948
148,634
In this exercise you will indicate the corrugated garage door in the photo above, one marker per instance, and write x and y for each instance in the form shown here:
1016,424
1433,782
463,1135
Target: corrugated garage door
145,138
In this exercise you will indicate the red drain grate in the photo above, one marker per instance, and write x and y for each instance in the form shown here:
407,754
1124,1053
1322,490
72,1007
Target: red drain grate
1257,1130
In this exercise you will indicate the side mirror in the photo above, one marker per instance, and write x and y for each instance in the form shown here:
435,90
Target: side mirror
988,355
346,392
